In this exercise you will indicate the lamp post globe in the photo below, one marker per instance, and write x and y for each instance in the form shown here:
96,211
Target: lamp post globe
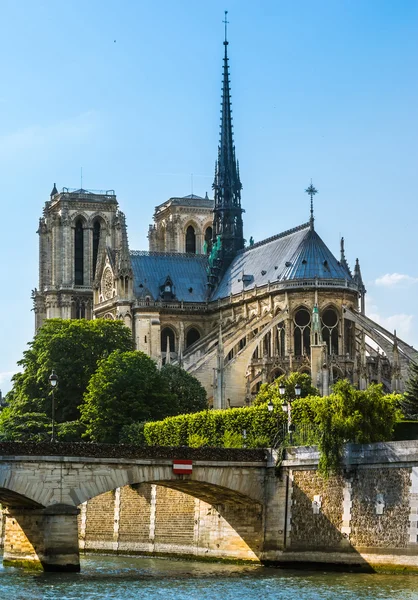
53,379
282,389
298,390
270,406
53,382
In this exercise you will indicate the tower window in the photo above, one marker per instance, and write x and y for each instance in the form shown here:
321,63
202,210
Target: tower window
96,239
79,253
190,240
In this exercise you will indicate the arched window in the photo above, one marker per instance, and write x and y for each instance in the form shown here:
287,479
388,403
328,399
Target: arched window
330,330
96,239
191,337
190,240
302,335
168,334
79,253
208,239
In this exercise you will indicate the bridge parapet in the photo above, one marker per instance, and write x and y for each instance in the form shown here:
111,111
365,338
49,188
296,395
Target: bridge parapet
127,451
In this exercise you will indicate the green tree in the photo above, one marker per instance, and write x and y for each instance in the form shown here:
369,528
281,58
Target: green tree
72,348
127,388
347,415
270,391
188,393
410,399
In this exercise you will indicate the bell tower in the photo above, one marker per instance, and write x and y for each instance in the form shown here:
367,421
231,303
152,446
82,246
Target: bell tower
75,227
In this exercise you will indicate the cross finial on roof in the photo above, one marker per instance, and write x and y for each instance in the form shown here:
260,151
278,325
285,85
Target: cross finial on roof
311,190
226,27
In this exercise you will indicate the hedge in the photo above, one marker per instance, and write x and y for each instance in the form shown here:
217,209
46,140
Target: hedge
211,427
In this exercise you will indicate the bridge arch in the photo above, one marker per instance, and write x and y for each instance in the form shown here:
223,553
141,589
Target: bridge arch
211,484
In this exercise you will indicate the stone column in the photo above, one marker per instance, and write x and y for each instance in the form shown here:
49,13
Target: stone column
275,514
44,539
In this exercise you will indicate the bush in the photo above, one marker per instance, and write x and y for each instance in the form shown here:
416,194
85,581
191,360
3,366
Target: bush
232,439
132,433
197,441
347,415
213,425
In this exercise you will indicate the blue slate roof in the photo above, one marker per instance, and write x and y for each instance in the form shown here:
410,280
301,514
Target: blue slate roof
186,271
295,254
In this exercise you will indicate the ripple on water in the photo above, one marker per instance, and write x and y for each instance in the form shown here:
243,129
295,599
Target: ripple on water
123,578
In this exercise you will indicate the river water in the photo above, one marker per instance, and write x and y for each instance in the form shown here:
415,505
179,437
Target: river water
123,578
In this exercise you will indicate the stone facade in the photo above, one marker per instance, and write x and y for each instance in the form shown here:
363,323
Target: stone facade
182,225
75,228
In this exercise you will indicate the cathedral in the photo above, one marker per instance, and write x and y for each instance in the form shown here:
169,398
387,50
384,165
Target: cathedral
233,314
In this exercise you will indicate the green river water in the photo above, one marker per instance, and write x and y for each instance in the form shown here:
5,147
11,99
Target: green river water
123,578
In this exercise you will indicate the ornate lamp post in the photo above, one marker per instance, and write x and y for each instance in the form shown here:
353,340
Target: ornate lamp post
287,407
53,382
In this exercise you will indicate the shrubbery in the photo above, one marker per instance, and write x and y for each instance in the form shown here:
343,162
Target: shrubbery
347,415
217,428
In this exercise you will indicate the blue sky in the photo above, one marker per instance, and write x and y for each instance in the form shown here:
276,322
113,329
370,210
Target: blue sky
130,91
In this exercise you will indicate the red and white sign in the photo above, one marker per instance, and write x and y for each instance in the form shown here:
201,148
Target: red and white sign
182,467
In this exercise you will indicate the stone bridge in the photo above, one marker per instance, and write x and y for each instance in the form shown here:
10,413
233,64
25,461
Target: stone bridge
42,486
365,517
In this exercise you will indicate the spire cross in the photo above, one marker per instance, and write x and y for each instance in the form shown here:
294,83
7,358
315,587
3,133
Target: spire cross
311,191
226,27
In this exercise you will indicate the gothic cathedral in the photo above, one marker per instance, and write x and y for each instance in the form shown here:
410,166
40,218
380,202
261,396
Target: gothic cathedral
233,315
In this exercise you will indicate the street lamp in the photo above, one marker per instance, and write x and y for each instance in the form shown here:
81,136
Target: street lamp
53,382
287,407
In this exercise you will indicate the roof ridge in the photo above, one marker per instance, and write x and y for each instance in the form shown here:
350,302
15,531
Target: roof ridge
165,254
275,237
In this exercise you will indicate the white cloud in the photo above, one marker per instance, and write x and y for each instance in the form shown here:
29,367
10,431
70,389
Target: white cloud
37,136
403,324
392,279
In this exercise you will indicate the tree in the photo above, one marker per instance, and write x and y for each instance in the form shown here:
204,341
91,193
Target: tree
410,399
127,388
270,391
347,415
73,349
188,392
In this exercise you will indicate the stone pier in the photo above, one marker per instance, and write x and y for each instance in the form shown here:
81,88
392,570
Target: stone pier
44,539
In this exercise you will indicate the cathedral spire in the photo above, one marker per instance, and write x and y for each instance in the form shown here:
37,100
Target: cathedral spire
227,215
343,259
361,287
